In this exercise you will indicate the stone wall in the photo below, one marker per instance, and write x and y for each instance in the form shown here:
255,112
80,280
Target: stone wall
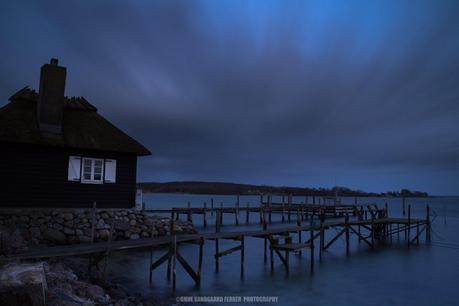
51,227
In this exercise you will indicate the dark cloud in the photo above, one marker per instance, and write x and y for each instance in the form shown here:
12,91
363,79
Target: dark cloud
356,93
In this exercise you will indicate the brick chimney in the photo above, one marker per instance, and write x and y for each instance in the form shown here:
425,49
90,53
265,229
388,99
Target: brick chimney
51,98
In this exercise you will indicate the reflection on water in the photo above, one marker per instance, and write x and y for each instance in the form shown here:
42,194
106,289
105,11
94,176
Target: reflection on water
388,275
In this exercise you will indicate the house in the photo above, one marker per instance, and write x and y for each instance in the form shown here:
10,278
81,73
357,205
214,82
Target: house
57,151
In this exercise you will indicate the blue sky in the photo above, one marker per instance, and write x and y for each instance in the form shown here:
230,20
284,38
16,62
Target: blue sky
363,94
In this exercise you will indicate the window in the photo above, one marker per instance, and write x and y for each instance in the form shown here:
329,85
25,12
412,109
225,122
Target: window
74,168
110,171
92,170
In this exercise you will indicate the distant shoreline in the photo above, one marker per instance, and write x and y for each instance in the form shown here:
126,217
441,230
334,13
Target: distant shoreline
222,188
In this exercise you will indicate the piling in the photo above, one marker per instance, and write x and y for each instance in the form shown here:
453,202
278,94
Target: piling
409,225
217,230
205,215
311,239
211,206
346,226
174,265
403,204
242,257
247,212
428,223
283,209
270,206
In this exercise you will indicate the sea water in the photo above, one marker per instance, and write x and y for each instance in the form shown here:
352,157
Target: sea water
391,274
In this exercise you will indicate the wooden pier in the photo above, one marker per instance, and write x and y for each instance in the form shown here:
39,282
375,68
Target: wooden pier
368,224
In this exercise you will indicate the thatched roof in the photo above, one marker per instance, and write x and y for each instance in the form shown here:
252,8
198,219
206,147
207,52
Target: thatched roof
83,128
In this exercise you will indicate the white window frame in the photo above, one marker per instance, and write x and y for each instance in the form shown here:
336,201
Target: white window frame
93,162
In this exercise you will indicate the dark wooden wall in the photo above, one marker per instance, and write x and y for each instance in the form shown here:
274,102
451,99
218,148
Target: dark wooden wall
36,176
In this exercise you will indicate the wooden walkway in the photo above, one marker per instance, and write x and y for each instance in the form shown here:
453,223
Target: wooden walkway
279,240
288,211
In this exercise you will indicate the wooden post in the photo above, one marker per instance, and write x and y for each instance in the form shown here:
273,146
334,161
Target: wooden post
205,214
93,221
261,213
190,215
221,213
217,230
314,199
346,225
289,207
409,225
299,241
403,204
321,234
237,210
211,206
270,206
355,200
372,232
271,254
417,232
242,257
298,219
390,232
283,209
265,256
201,247
247,213
174,265
428,224
311,238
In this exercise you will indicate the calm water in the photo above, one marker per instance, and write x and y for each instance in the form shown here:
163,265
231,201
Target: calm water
388,275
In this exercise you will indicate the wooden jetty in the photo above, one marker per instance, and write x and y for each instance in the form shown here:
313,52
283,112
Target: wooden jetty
288,210
368,228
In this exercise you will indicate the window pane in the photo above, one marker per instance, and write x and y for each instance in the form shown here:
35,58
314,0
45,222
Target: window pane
87,163
97,163
87,176
98,177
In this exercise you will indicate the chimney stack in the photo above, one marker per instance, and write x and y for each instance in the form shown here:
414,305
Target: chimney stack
50,106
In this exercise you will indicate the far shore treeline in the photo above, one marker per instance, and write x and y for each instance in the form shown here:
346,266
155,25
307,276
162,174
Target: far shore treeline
220,188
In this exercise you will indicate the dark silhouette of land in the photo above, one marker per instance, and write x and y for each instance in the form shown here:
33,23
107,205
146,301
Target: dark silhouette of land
221,188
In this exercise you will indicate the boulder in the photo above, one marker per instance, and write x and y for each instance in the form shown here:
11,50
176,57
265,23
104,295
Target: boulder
54,235
97,294
67,216
23,284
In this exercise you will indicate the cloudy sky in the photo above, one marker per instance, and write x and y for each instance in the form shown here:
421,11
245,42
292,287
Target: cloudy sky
363,94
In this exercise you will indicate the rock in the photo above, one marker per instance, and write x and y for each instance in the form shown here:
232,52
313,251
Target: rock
100,224
121,225
79,232
84,239
144,235
54,236
104,216
22,284
69,231
104,233
35,232
132,222
24,219
67,216
69,223
97,294
61,297
58,226
134,237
